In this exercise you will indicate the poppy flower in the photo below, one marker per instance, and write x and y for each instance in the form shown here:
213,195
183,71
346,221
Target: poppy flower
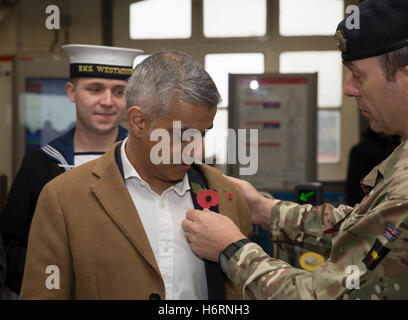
334,229
229,195
207,198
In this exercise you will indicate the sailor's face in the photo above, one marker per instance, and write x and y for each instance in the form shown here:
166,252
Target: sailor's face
100,103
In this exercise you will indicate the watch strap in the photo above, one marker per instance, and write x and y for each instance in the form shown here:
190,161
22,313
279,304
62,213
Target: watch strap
229,251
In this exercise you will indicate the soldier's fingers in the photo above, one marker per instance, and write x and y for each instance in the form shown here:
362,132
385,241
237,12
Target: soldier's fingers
192,214
186,225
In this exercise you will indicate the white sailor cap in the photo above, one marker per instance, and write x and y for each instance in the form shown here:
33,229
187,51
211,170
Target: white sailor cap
100,61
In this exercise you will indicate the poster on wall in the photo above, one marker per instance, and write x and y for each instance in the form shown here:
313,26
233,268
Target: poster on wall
282,108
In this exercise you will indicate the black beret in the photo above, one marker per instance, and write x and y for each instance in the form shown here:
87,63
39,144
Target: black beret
383,28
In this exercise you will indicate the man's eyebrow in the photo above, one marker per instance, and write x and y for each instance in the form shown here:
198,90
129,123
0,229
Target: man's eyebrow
94,83
352,67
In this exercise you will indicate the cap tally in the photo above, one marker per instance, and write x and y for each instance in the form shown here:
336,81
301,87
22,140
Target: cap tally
100,61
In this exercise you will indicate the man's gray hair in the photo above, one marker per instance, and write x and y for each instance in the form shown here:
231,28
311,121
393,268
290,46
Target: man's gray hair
166,77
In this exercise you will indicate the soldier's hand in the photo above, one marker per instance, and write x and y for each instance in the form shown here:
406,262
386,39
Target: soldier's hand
259,206
209,233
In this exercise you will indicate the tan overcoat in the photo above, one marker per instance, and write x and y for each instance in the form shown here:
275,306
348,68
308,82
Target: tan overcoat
87,233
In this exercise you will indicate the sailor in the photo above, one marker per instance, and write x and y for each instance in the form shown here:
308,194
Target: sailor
98,76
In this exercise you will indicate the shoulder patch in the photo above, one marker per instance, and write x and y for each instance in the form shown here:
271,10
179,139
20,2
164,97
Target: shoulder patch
391,233
375,255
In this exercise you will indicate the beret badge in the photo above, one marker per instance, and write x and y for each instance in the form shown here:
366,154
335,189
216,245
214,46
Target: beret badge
341,41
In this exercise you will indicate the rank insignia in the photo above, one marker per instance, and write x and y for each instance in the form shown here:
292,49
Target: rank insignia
391,233
341,41
375,255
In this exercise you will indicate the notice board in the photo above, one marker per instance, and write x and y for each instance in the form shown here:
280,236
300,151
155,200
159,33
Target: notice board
283,107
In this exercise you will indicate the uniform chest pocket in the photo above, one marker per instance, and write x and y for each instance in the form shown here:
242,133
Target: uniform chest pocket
355,216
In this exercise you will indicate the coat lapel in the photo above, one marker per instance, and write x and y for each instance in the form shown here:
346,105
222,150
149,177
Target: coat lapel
226,205
110,190
215,276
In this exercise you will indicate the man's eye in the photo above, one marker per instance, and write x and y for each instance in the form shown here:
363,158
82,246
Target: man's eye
357,77
94,90
119,92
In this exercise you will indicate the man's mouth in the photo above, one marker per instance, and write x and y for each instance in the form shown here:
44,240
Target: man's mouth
105,115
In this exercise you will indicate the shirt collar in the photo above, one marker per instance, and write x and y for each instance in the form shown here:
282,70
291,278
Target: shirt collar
129,172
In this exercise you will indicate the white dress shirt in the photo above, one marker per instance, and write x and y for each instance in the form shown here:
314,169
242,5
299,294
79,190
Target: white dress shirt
182,271
84,157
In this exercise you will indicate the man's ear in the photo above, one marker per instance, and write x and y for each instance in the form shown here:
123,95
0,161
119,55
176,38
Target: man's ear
70,90
138,122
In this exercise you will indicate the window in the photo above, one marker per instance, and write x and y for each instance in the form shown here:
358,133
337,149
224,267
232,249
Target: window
220,65
234,18
311,17
160,19
255,36
328,136
330,72
330,76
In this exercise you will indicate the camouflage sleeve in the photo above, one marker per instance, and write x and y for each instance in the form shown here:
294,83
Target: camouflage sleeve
263,277
367,261
306,226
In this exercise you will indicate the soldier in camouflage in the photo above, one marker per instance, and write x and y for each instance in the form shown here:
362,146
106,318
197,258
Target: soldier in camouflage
366,247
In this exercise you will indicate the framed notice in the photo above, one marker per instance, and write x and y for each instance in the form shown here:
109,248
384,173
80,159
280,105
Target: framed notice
282,108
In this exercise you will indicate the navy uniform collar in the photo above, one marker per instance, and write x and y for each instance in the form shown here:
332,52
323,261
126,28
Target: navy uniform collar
61,149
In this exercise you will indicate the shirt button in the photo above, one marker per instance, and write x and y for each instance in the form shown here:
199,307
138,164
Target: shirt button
154,296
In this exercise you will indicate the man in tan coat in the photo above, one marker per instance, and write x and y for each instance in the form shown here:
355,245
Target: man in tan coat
111,229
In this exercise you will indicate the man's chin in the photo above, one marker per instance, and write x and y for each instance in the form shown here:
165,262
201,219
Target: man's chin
104,128
178,172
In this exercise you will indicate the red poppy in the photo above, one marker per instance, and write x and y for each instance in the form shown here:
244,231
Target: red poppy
229,195
207,198
334,229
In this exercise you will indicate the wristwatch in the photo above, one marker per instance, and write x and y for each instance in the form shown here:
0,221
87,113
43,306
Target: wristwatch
229,251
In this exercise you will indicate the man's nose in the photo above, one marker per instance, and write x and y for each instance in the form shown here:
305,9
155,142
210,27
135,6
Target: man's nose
107,99
351,88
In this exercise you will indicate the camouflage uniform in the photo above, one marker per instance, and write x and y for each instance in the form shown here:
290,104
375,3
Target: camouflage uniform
372,236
